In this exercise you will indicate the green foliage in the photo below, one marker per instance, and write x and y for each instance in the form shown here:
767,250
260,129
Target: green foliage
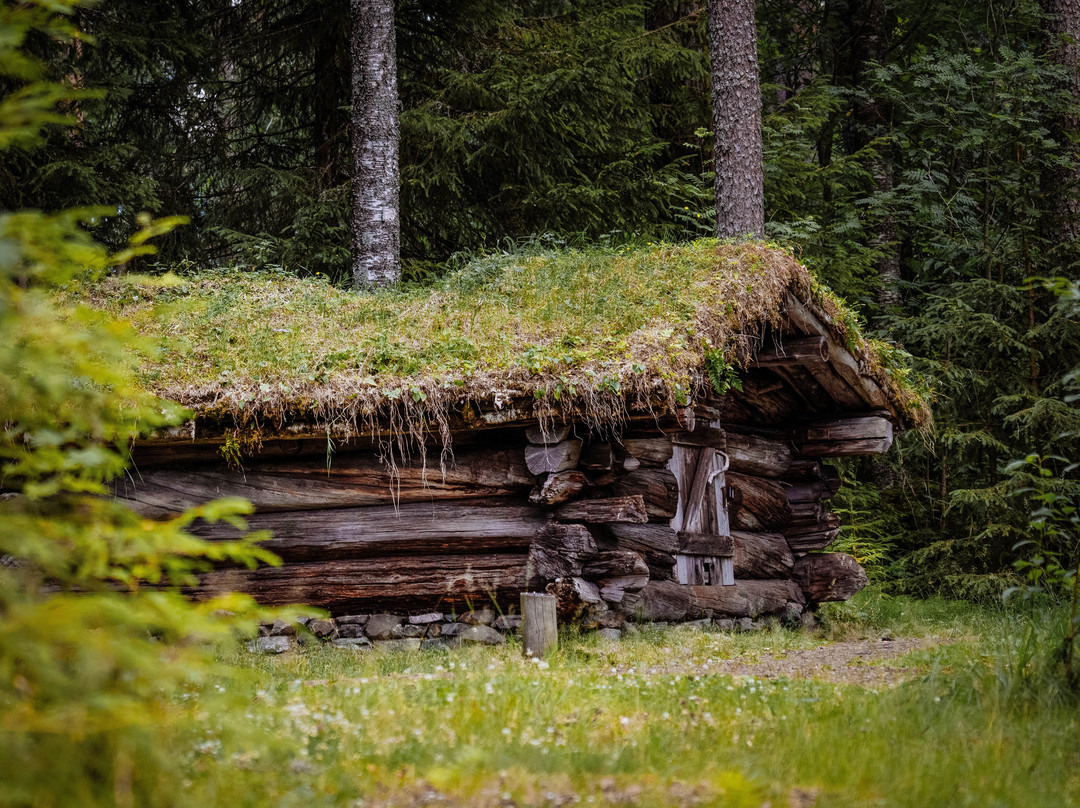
96,643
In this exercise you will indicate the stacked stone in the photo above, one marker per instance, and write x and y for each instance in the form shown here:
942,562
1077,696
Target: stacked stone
388,631
361,632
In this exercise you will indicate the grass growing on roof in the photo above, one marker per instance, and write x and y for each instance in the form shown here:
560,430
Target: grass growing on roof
592,331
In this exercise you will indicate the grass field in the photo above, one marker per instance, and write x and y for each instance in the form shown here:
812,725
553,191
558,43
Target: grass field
650,720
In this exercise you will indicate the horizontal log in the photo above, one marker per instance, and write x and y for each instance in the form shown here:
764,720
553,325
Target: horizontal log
628,509
707,544
652,451
744,599
615,589
428,582
829,576
792,352
756,503
840,359
748,453
549,459
809,542
614,563
658,600
352,480
761,555
558,551
420,527
658,487
558,488
842,437
802,527
645,539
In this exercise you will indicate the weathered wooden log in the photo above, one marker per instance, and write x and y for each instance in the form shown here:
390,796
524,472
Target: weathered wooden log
549,435
802,493
829,576
756,503
552,458
646,539
558,488
840,359
842,437
650,451
809,542
744,599
352,480
770,597
573,596
616,588
811,512
539,628
793,352
612,563
761,555
658,487
414,528
801,527
366,584
747,452
658,600
756,455
709,544
629,509
558,551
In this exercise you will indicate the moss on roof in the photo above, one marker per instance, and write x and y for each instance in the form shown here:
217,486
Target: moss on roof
595,332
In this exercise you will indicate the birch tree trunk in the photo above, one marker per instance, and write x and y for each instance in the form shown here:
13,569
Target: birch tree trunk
740,194
376,250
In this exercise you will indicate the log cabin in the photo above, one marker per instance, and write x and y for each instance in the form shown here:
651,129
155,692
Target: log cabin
641,431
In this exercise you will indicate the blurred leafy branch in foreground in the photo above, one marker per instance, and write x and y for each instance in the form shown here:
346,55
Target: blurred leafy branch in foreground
97,645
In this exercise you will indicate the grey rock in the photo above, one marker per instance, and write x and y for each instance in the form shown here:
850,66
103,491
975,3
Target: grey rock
484,635
407,632
435,644
480,617
611,620
609,634
351,630
425,619
323,629
356,643
352,619
269,645
808,621
407,644
381,626
508,622
698,625
453,629
434,630
745,624
725,623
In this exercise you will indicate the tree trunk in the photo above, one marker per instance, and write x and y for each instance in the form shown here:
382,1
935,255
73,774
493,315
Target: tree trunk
1064,187
740,195
375,138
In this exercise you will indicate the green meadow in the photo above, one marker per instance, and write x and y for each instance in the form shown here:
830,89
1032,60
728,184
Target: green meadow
654,719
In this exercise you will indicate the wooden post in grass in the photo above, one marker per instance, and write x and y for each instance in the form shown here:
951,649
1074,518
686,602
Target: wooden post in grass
538,624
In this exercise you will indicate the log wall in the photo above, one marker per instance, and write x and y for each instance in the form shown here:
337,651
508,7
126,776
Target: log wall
618,521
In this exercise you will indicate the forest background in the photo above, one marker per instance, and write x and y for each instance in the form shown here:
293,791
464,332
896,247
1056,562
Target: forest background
915,152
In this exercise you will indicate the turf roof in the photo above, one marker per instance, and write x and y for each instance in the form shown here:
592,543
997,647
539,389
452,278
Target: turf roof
593,332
